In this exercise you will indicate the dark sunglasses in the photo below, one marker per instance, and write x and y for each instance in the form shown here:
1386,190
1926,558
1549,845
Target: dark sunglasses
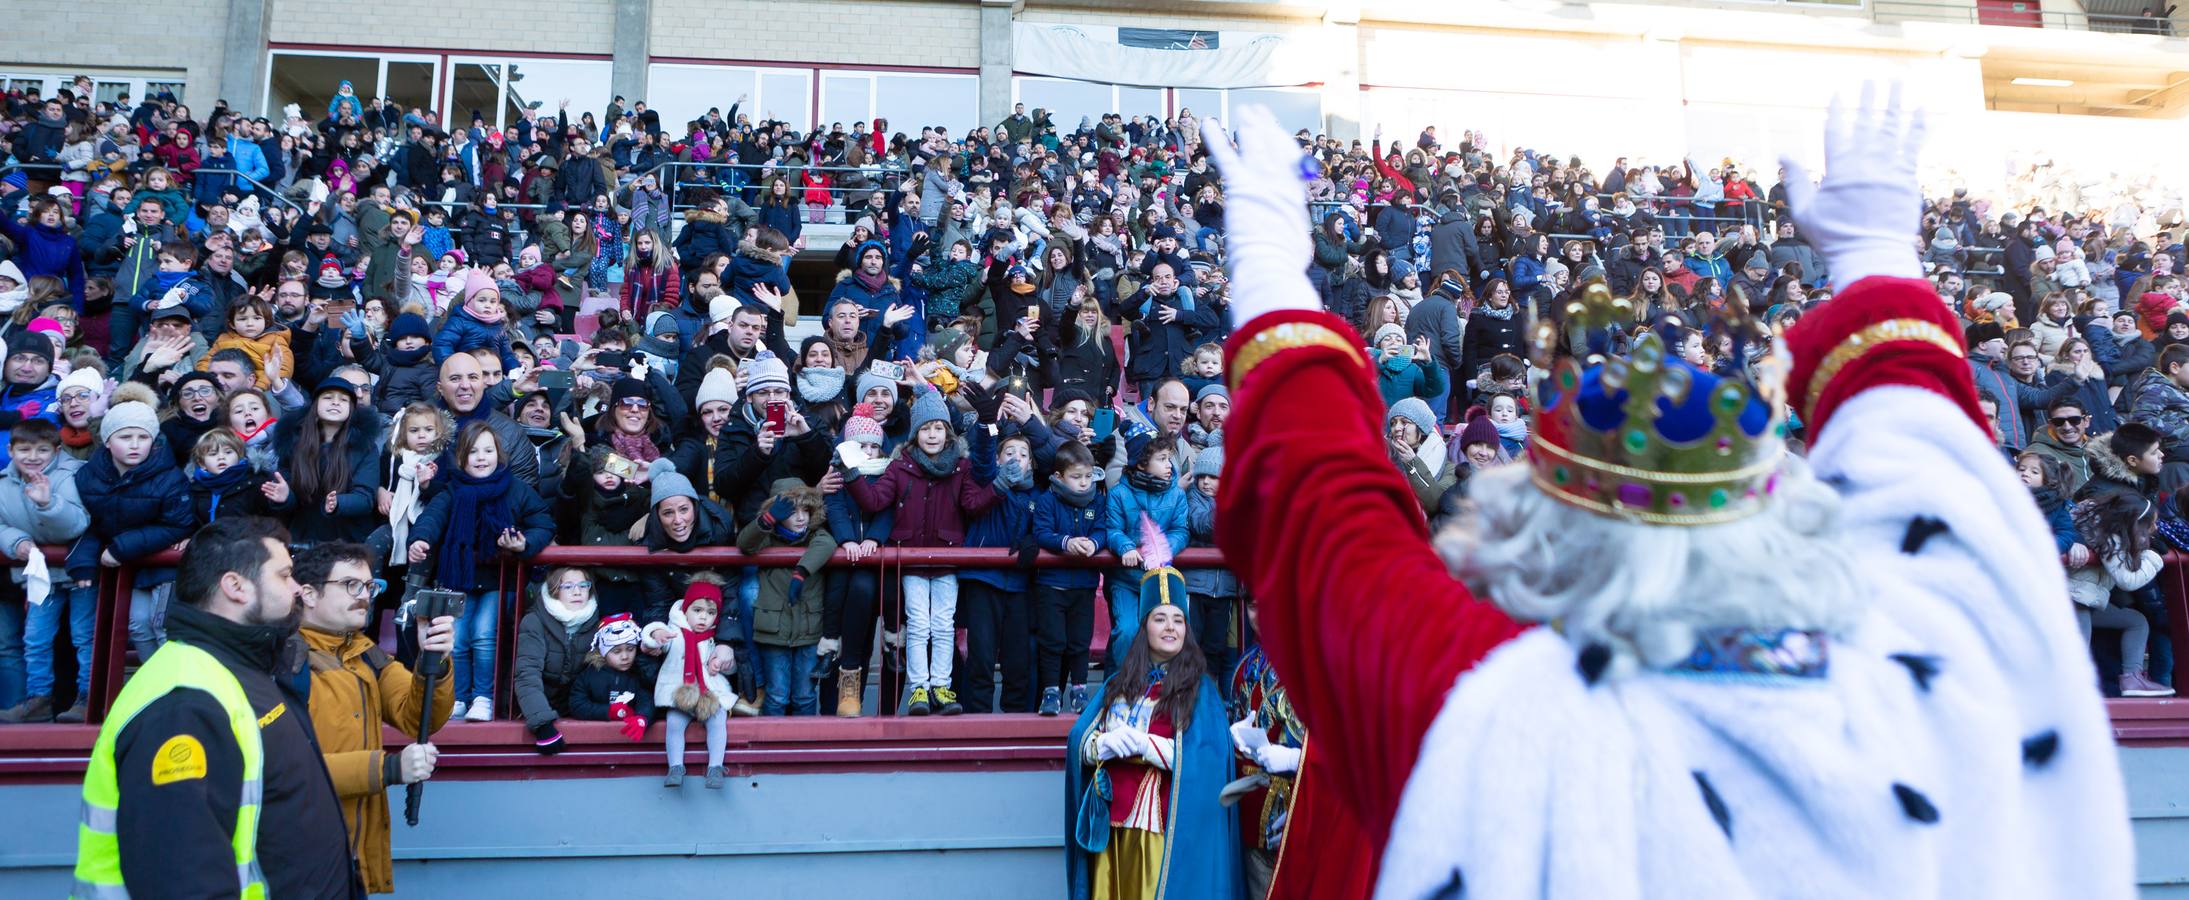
2062,421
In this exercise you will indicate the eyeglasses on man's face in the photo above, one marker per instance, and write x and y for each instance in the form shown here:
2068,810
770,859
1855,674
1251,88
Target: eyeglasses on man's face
359,588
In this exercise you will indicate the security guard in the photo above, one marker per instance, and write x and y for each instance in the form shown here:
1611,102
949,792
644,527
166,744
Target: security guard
207,742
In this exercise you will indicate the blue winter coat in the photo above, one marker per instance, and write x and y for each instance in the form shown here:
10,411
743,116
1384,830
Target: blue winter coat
1127,504
248,159
134,514
47,250
849,288
19,402
782,218
462,333
850,524
1201,529
1008,524
529,513
1054,522
748,269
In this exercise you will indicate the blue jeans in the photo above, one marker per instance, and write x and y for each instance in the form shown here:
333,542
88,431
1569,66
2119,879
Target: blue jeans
476,634
1125,613
81,607
148,619
11,652
790,680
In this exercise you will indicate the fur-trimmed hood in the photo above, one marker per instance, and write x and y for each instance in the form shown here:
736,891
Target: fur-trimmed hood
2106,464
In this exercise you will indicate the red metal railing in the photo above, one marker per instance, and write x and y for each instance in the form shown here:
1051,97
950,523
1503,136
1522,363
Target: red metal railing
886,559
2164,721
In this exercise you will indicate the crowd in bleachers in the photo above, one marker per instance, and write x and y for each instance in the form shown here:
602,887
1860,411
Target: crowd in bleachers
457,346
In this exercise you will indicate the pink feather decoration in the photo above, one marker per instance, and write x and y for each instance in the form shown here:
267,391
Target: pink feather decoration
1155,547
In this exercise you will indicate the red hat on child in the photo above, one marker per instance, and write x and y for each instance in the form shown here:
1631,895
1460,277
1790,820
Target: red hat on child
700,590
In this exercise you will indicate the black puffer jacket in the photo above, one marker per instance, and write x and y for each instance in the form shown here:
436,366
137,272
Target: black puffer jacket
549,658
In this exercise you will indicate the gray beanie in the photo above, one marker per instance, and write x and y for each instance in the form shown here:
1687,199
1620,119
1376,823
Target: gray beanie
1210,461
128,414
668,482
765,371
1415,410
1211,390
869,381
929,407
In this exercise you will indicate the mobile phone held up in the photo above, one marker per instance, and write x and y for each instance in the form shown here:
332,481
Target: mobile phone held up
1105,422
557,380
778,415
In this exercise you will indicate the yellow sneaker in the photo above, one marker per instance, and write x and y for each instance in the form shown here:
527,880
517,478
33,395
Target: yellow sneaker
948,700
918,706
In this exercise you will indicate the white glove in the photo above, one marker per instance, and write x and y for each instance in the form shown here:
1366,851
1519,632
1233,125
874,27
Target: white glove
1122,743
622,697
1861,216
1247,736
1277,759
894,640
828,646
1266,244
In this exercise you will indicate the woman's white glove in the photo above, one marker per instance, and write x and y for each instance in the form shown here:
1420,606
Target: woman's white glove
1122,743
1277,759
1266,245
1865,214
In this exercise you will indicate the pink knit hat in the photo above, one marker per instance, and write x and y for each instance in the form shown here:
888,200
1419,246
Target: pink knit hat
477,280
862,426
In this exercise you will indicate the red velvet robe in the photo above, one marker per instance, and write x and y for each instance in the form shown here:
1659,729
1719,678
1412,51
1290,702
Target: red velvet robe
1367,629
1314,516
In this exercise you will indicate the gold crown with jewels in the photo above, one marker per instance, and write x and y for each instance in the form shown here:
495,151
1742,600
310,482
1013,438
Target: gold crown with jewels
1649,437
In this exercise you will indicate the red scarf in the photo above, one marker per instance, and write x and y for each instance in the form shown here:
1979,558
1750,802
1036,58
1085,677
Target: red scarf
72,436
693,673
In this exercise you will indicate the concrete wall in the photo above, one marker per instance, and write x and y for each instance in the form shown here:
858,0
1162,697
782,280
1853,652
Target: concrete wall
964,836
856,32
534,26
183,35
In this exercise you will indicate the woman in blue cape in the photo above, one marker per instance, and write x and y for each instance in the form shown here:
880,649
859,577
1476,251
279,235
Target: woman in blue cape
1159,734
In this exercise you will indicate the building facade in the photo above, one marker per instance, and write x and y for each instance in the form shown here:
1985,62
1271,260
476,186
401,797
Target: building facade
2091,83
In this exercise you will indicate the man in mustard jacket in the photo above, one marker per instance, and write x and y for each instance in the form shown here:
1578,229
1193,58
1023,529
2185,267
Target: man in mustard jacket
356,687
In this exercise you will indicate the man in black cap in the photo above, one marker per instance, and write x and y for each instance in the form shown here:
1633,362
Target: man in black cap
170,349
29,388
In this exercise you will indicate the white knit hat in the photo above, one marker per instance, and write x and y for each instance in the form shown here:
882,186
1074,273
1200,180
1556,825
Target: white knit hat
720,309
719,384
86,378
133,414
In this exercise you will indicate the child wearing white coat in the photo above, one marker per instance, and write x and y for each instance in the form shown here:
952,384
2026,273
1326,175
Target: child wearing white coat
691,686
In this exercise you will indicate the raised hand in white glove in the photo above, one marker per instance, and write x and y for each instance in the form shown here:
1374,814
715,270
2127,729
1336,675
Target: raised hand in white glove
1278,759
1122,743
1862,216
1266,245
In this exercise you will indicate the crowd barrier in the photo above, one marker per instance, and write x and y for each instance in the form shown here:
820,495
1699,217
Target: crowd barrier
111,653
2136,720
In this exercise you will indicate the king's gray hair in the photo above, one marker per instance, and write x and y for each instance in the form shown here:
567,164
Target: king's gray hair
1646,589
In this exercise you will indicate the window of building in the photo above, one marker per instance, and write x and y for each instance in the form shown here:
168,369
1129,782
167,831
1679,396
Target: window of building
909,100
311,79
685,91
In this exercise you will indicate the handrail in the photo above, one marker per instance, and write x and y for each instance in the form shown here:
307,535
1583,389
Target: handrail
256,185
782,557
2118,23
